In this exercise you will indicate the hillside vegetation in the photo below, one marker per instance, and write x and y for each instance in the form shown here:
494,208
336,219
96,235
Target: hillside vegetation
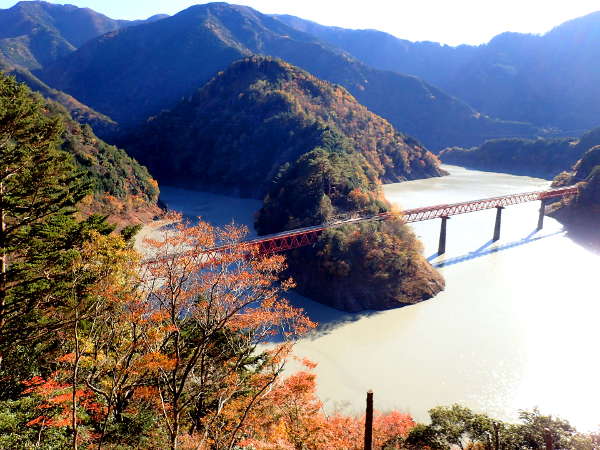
581,214
236,132
135,72
266,127
543,158
120,187
78,111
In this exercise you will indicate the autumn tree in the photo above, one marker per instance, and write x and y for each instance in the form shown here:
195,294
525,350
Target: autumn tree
291,416
216,302
101,265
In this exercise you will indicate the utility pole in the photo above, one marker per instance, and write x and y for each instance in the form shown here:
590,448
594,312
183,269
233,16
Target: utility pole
369,422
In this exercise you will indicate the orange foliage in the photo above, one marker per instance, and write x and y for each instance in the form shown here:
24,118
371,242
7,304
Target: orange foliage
291,416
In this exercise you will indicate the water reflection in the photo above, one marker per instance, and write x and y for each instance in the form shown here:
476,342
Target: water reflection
485,250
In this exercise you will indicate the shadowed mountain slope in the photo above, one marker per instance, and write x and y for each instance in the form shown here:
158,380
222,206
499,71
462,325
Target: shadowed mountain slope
34,33
135,72
236,132
552,80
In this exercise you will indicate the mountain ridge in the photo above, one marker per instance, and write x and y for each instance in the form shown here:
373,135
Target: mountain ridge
36,33
258,103
549,80
135,72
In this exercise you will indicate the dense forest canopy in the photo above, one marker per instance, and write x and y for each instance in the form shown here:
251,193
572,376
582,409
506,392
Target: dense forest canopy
239,129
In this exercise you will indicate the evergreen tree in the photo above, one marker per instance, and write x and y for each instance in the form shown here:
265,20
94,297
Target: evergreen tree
38,233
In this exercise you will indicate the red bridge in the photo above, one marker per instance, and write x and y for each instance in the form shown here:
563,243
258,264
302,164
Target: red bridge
301,237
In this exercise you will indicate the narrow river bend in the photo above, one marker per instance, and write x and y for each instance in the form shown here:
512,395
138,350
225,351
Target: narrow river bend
516,327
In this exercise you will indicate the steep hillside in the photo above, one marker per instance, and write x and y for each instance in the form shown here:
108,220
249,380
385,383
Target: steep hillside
266,127
543,158
551,80
134,73
121,188
80,112
236,132
581,214
35,33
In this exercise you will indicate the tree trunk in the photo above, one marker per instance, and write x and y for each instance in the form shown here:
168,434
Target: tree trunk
175,430
74,388
3,260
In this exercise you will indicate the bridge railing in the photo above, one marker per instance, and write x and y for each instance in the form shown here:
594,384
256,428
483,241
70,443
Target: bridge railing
301,237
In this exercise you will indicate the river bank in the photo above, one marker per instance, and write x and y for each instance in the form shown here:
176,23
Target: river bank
515,328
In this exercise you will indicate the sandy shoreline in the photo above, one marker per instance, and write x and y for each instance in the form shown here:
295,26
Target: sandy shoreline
219,210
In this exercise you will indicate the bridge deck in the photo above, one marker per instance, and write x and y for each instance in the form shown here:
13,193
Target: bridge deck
287,240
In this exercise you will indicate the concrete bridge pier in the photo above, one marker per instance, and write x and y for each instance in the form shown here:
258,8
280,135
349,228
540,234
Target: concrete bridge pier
498,223
442,245
542,214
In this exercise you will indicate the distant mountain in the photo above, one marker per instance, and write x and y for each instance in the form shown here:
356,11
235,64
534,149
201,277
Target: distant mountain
35,33
551,80
236,132
541,157
387,52
136,72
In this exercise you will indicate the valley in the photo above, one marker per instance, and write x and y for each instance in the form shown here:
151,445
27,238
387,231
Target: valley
221,227
488,340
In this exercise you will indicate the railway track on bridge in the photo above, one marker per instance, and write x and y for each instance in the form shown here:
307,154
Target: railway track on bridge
301,237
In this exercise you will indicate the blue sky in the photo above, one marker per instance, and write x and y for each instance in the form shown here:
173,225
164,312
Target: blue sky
448,21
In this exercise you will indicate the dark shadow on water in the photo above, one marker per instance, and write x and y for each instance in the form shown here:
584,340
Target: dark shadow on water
327,318
432,257
484,250
487,244
484,246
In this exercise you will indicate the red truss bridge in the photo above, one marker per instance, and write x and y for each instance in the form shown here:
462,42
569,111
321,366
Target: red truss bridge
301,237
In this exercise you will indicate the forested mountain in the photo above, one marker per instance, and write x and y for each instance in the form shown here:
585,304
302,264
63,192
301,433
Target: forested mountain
80,112
236,132
387,52
550,80
265,127
135,72
581,214
120,187
35,33
541,157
